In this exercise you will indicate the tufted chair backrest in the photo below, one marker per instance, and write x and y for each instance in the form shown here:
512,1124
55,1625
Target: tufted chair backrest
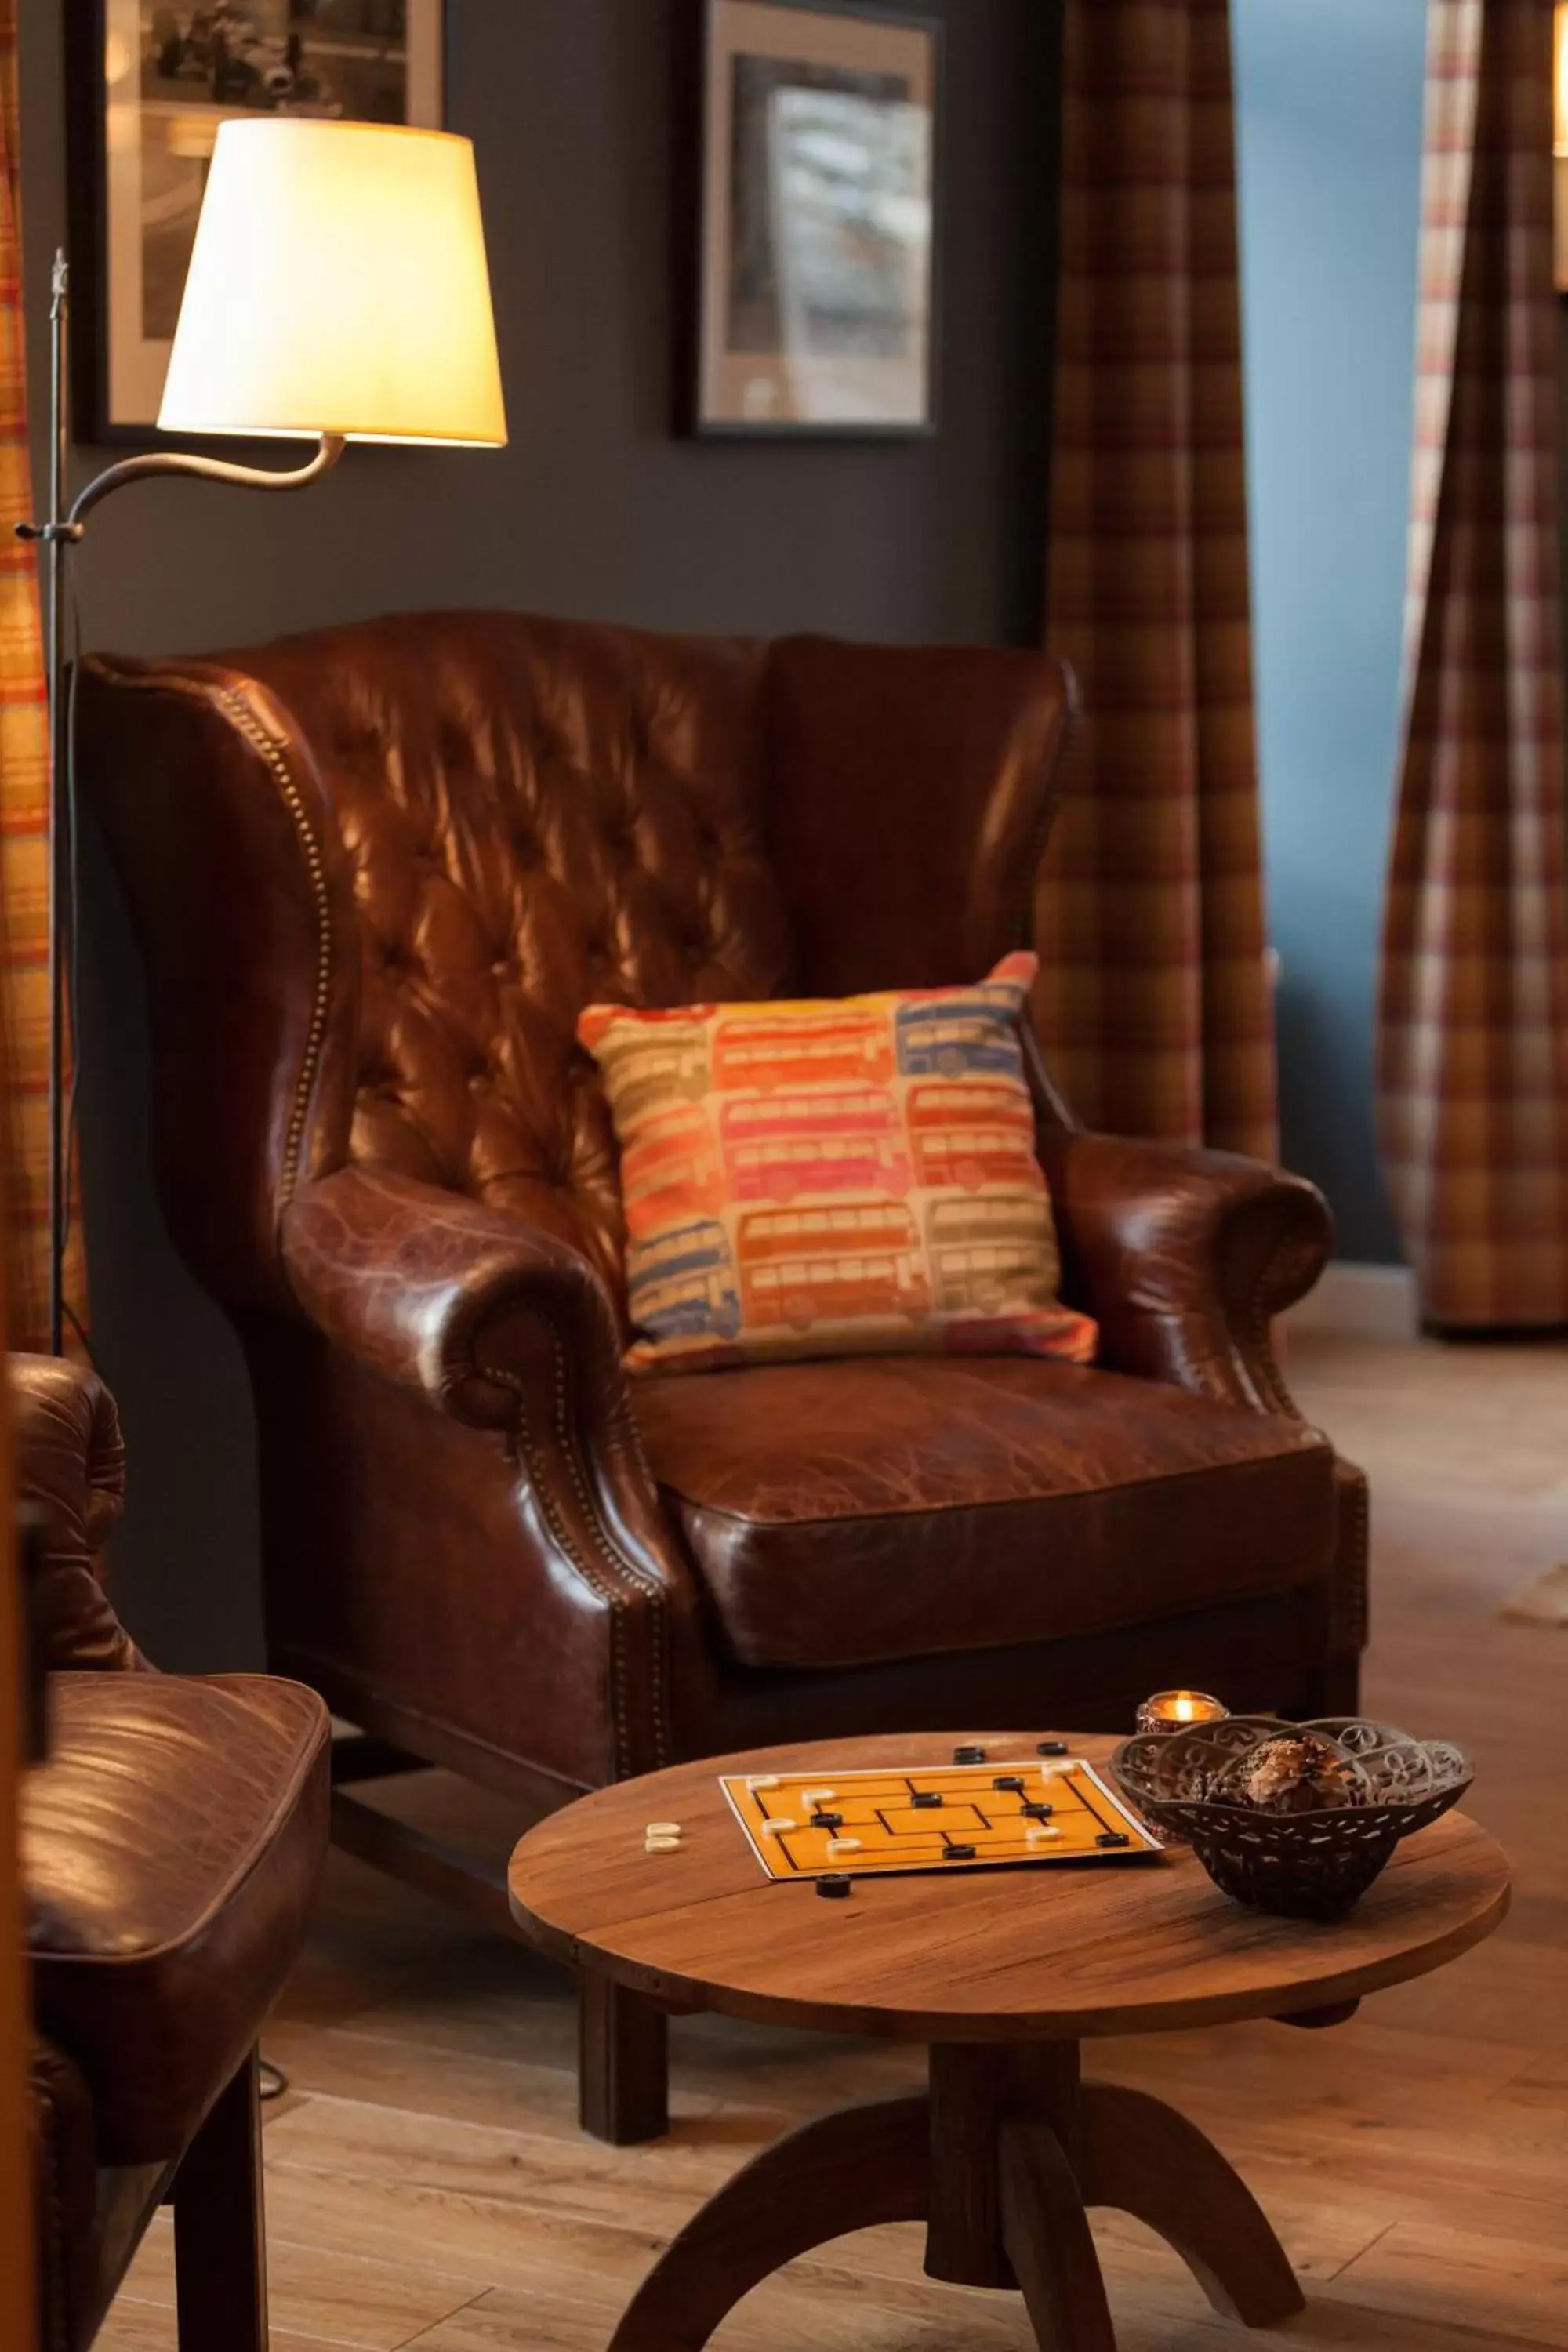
535,815
378,871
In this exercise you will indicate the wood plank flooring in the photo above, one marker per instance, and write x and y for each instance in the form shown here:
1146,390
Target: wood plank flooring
426,2184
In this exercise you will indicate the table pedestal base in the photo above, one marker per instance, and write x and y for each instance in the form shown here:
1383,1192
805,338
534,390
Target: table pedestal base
1000,2162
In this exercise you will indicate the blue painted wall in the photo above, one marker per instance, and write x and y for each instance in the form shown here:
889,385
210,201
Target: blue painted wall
1328,122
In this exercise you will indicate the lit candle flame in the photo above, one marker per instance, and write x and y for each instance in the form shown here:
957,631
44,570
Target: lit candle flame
1168,1710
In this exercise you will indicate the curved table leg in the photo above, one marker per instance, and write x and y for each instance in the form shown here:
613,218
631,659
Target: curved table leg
853,2170
1046,2232
1141,2156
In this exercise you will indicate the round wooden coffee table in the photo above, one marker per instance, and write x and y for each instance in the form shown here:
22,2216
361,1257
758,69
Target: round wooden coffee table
1003,1973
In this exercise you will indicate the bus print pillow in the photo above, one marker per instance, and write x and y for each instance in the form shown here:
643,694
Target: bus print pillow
820,1179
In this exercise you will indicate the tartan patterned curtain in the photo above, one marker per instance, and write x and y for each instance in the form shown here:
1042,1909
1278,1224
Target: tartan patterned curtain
24,786
1153,1005
1473,1066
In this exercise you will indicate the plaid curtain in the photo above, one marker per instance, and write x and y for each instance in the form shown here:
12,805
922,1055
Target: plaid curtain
1154,1005
24,786
1473,1068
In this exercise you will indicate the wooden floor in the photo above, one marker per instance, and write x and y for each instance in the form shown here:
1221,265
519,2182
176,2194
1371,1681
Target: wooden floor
426,2184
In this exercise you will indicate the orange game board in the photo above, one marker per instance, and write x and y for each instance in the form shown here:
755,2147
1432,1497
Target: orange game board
933,1817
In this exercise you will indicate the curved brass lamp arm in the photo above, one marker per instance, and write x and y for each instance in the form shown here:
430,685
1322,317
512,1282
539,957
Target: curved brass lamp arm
158,463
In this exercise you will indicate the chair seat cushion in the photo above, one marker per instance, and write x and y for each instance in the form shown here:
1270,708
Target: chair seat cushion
842,1514
170,1847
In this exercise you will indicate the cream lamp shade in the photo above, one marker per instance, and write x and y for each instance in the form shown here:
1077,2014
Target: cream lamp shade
338,287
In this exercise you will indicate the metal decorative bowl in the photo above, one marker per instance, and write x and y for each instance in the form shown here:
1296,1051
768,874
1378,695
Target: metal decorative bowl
1305,1865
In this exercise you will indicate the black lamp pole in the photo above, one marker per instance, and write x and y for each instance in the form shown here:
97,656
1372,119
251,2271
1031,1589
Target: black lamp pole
57,536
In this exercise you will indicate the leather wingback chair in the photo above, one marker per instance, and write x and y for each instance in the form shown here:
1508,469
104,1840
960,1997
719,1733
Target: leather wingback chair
170,1838
376,874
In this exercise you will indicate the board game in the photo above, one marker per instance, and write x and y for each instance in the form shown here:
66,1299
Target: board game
972,1816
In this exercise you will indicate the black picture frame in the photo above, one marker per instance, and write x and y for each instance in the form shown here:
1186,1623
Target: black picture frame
101,412
702,110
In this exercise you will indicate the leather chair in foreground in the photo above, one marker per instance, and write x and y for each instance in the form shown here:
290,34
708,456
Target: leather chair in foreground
376,874
172,1837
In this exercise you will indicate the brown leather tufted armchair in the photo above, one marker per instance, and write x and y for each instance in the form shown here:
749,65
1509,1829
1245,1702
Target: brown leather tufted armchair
376,873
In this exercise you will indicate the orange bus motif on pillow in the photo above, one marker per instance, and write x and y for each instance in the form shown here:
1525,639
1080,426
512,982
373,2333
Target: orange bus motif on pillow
970,1135
674,1169
825,1045
809,1266
779,1145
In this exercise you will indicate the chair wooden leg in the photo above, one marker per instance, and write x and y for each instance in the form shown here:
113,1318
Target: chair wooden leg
623,2063
220,2248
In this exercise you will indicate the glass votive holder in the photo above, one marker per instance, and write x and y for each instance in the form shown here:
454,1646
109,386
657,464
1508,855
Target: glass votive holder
1177,1710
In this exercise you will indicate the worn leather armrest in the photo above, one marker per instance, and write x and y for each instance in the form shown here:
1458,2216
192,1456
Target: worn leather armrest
1184,1257
435,1291
70,1462
505,1328
498,1322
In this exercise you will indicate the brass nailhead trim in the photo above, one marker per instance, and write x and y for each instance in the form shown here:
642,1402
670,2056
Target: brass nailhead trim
236,708
54,2282
612,1592
1268,1372
246,721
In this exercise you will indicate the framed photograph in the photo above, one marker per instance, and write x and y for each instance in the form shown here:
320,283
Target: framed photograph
150,82
817,277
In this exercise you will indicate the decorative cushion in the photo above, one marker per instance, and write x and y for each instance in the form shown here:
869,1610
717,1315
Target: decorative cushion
824,1179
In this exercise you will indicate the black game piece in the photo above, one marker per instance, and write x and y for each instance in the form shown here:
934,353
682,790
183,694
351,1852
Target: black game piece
966,1852
1038,1811
969,1755
1051,1747
1113,1837
926,1801
835,1888
1009,1780
825,1822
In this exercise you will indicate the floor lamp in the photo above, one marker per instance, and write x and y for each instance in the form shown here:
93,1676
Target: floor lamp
338,292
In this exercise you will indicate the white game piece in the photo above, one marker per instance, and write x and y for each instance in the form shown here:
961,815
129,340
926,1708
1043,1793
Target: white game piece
836,1846
661,1845
777,1829
817,1796
664,1829
764,1780
1041,1834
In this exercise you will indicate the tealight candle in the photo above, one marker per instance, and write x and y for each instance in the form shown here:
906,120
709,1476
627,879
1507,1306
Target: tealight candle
1176,1710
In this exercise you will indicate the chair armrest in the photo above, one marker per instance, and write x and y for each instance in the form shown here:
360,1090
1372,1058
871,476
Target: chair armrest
439,1294
499,1325
70,1462
1184,1257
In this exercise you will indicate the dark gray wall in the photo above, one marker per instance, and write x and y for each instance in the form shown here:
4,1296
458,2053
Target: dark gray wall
594,510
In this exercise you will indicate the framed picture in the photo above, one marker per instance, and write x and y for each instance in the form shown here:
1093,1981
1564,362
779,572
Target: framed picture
150,81
817,276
